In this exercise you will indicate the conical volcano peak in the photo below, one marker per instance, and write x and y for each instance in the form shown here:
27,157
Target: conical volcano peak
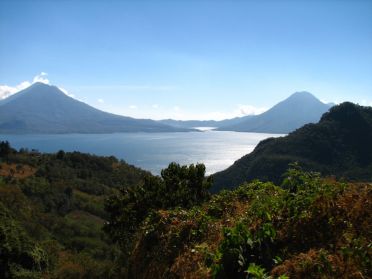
302,95
286,116
40,84
43,88
44,108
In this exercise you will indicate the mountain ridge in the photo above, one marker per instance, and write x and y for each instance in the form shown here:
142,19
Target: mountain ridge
42,108
203,123
339,144
298,109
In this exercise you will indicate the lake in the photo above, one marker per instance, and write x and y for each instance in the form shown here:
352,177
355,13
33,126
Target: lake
151,151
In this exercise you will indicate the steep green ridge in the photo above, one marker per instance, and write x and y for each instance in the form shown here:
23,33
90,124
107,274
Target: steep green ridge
340,145
52,213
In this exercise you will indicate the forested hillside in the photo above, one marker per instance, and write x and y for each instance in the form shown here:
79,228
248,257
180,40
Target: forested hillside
52,213
339,145
74,215
307,227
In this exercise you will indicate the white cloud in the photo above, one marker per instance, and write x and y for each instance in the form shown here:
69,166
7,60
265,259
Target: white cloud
6,91
184,113
100,101
66,92
155,106
366,103
250,110
41,78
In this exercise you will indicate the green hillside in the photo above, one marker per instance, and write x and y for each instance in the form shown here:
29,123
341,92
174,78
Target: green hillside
309,227
52,213
339,145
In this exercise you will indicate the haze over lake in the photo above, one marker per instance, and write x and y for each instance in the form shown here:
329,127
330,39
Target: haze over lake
151,151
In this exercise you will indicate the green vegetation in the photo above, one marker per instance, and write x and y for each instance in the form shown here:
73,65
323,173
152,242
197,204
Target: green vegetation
178,186
52,213
339,145
309,227
74,215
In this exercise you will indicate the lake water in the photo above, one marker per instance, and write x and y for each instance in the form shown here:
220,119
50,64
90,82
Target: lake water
151,151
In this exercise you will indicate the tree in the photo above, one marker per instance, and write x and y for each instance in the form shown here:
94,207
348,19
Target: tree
18,253
178,186
5,149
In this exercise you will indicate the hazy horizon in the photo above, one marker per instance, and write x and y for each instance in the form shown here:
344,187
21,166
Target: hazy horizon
41,79
188,60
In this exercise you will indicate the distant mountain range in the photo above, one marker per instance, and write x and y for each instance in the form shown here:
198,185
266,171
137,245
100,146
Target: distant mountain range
297,110
340,145
42,108
204,123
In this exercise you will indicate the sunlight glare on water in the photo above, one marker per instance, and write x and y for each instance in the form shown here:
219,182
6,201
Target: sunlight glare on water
216,149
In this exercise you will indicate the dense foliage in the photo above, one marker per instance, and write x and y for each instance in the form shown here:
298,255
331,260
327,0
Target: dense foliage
339,145
52,210
178,186
309,227
52,213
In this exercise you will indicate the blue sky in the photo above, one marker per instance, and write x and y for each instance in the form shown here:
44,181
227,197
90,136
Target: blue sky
189,59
